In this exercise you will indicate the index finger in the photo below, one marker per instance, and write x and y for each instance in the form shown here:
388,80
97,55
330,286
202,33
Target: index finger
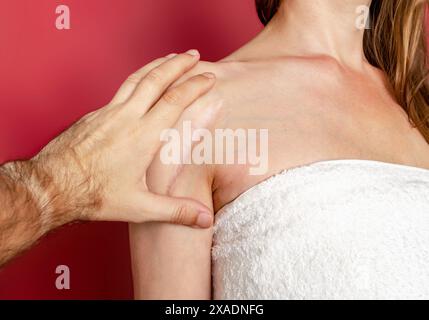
128,87
156,82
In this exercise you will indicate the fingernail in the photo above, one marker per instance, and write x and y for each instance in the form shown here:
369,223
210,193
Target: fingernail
171,55
193,52
209,75
204,220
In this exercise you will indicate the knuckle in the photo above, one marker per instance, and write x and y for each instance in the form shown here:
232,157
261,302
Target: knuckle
155,76
133,78
172,97
180,214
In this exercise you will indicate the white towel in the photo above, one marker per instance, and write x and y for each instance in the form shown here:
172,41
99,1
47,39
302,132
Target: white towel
343,229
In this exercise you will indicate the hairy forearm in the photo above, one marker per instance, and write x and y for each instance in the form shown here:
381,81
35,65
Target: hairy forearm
21,213
26,209
33,203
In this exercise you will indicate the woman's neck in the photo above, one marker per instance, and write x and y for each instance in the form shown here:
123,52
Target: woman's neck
312,28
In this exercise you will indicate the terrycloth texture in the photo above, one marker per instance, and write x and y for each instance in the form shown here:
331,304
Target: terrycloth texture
347,229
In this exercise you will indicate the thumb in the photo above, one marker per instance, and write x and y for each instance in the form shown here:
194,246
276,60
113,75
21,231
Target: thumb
178,211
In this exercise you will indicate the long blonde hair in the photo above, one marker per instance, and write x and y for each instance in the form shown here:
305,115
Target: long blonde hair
397,44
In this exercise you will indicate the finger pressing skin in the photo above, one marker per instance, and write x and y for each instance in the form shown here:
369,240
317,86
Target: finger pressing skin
154,84
169,108
128,87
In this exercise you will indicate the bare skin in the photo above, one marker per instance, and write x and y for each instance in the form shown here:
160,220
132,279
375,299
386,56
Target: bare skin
305,78
96,170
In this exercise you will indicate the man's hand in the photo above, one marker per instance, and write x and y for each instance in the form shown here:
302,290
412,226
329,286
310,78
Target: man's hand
96,170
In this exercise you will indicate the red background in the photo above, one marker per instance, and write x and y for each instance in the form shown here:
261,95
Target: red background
49,78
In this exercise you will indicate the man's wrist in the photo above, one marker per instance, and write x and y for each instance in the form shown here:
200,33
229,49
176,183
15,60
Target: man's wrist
72,193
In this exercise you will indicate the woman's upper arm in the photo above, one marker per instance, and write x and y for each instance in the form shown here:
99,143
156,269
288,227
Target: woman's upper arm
173,261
